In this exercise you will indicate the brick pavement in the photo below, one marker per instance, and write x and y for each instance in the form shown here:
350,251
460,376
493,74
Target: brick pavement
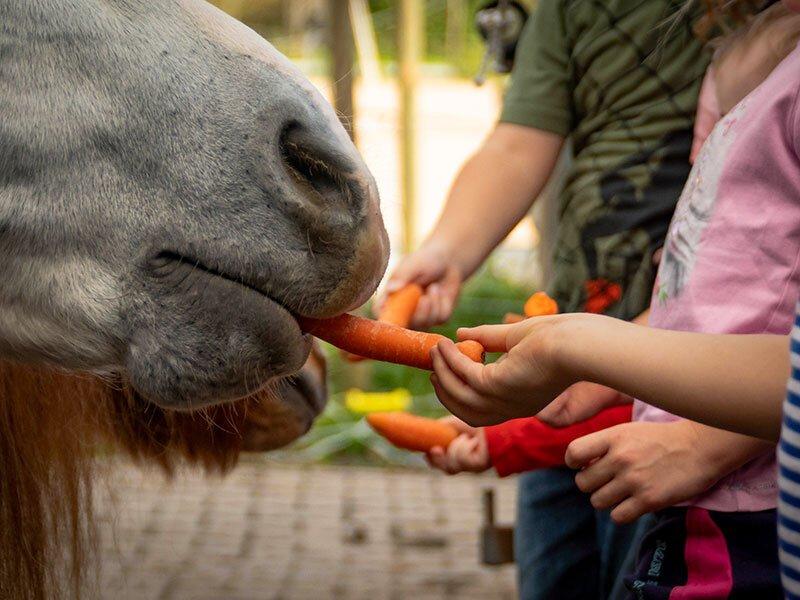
296,532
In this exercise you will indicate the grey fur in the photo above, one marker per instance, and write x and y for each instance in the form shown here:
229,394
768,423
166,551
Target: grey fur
135,132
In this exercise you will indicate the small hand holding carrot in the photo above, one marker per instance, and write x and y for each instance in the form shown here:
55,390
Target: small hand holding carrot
467,453
519,384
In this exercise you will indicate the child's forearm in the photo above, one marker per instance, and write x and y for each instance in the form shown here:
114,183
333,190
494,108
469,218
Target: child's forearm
493,191
734,382
725,451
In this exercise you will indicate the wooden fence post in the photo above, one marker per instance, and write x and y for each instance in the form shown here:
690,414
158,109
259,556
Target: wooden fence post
409,41
342,63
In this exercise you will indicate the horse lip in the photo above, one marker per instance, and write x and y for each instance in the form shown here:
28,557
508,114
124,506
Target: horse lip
166,258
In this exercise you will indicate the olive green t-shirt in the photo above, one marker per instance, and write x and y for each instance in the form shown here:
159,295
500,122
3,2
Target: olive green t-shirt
621,78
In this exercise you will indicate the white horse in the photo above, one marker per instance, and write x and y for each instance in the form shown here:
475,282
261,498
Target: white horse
172,193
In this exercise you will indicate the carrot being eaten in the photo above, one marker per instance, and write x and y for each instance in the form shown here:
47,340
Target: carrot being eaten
411,432
383,341
397,309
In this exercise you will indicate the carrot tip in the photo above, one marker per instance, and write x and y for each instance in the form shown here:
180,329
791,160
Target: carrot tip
473,350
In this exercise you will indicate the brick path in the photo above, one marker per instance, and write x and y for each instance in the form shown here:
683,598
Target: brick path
292,532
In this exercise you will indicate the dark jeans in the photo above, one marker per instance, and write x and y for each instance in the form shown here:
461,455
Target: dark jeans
564,548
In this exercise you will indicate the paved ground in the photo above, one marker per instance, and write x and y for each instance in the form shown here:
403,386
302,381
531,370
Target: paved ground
290,532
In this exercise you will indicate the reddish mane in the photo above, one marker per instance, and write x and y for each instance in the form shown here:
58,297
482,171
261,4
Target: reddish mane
52,426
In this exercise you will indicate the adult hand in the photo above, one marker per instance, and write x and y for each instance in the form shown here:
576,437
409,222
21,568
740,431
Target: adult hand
433,269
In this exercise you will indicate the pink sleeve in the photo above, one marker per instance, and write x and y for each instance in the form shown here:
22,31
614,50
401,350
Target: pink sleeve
707,113
794,122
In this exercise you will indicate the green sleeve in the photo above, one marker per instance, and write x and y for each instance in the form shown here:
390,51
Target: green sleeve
540,94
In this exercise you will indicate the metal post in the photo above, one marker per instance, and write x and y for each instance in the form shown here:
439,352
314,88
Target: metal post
409,41
342,63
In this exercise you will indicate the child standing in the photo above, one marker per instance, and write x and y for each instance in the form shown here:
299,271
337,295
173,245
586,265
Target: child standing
605,75
730,265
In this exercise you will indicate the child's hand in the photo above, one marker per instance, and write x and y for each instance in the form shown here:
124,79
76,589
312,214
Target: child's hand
431,268
644,467
580,402
467,453
519,384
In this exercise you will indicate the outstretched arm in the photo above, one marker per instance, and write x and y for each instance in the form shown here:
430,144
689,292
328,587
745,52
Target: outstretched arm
495,188
734,382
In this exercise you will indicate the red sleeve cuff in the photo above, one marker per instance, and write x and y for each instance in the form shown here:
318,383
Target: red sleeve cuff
529,444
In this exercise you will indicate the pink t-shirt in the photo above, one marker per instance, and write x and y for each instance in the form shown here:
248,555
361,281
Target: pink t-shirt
731,261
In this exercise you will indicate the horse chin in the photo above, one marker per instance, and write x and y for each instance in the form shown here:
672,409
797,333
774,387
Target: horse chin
279,418
210,340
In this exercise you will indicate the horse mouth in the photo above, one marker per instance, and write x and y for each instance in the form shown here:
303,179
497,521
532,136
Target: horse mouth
168,260
208,337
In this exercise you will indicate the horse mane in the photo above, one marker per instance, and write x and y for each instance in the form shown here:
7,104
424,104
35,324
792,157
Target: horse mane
53,427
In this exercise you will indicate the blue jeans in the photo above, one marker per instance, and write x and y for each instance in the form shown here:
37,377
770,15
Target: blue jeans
564,548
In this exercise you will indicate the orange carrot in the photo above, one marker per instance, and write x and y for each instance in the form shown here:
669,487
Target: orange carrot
472,349
398,309
540,304
383,341
511,318
411,432
400,305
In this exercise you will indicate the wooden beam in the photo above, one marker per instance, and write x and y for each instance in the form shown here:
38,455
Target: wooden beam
456,31
366,41
342,54
410,32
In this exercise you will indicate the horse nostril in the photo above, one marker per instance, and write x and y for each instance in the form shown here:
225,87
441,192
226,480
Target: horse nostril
315,166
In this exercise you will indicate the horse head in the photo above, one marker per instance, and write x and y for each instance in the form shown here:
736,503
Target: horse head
172,192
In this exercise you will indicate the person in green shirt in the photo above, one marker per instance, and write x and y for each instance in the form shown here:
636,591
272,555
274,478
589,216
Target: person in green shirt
620,79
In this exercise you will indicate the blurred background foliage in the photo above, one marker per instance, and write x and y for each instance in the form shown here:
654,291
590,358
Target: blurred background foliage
298,28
